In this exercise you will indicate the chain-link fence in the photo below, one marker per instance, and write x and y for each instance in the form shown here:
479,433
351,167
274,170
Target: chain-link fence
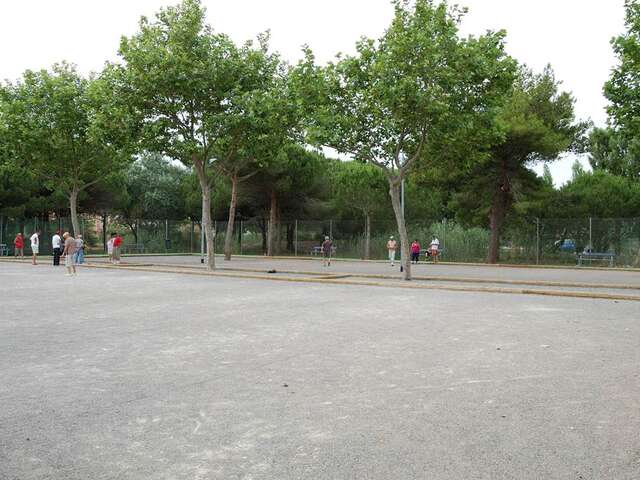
532,241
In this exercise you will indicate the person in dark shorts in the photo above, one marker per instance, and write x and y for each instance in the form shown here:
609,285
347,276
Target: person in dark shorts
326,251
415,251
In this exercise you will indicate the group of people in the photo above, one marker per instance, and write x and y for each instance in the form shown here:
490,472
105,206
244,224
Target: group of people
392,246
113,248
64,246
432,251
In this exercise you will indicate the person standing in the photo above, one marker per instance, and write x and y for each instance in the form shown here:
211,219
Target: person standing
69,253
415,251
56,243
392,245
117,243
110,247
18,246
35,246
434,249
327,245
79,259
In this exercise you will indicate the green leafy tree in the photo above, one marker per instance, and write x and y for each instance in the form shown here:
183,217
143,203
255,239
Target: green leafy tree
152,190
616,148
261,122
360,187
185,80
537,124
293,182
66,129
389,104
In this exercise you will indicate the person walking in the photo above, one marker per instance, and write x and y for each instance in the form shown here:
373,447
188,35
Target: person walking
79,259
35,246
18,246
392,245
415,251
69,253
117,243
56,244
434,249
327,246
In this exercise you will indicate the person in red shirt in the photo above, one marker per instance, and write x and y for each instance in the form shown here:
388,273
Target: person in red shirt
117,243
415,251
18,244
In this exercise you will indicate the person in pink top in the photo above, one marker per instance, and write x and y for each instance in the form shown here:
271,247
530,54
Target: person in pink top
415,251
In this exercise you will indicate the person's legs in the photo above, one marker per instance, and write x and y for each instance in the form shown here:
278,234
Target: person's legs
56,256
392,257
81,256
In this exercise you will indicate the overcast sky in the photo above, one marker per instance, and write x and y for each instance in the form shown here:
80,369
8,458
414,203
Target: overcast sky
571,35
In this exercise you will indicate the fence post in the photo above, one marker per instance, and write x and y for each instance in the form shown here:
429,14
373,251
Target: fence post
537,241
444,233
295,239
1,228
590,234
331,229
241,235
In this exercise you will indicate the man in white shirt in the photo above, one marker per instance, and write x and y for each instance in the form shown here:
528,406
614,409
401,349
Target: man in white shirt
35,246
56,243
435,248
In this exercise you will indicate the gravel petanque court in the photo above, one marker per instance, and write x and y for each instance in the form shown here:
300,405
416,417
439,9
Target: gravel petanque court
122,374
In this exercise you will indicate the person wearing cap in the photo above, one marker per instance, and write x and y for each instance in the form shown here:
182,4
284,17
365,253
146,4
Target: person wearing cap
18,246
68,253
326,251
392,245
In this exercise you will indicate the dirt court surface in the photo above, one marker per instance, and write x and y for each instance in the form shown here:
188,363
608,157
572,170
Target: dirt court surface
125,374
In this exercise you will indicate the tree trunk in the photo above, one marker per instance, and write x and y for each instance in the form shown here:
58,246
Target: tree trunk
104,232
290,233
405,259
271,231
263,231
206,213
134,231
496,219
228,238
73,207
367,236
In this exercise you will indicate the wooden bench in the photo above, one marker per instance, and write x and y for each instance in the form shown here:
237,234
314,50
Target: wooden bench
595,257
132,248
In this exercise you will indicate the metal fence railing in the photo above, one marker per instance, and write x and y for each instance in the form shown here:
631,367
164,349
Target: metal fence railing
532,241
